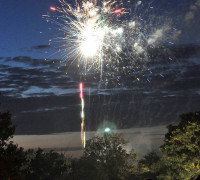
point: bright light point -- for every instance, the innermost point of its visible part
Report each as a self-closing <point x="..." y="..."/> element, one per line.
<point x="52" y="8"/>
<point x="139" y="2"/>
<point x="117" y="32"/>
<point x="118" y="49"/>
<point x="82" y="115"/>
<point x="136" y="44"/>
<point x="132" y="24"/>
<point x="82" y="103"/>
<point x="120" y="30"/>
<point x="106" y="127"/>
<point x="107" y="130"/>
<point x="93" y="13"/>
<point x="89" y="47"/>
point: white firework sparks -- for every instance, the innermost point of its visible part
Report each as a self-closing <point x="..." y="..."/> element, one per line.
<point x="105" y="38"/>
<point x="90" y="30"/>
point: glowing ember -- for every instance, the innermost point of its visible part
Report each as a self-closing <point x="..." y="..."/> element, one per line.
<point x="52" y="8"/>
<point x="118" y="11"/>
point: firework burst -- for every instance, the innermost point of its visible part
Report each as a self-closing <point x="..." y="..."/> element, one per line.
<point x="106" y="39"/>
<point x="91" y="28"/>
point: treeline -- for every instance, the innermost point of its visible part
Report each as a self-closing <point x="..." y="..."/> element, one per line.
<point x="106" y="158"/>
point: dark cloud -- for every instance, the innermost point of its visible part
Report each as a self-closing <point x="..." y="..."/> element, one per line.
<point x="40" y="47"/>
<point x="43" y="77"/>
<point x="175" y="51"/>
<point x="35" y="49"/>
<point x="43" y="99"/>
<point x="186" y="51"/>
<point x="51" y="114"/>
<point x="30" y="75"/>
<point x="28" y="61"/>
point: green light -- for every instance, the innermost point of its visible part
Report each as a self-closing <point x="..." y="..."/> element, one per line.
<point x="107" y="130"/>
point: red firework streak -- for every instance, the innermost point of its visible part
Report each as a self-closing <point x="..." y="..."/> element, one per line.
<point x="81" y="90"/>
<point x="82" y="115"/>
<point x="52" y="8"/>
<point x="118" y="11"/>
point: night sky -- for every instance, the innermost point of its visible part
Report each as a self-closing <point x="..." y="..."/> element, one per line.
<point x="43" y="99"/>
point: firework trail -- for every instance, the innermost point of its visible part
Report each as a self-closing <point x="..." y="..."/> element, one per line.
<point x="83" y="133"/>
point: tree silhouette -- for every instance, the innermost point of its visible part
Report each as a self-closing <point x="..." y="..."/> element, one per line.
<point x="12" y="158"/>
<point x="17" y="164"/>
<point x="7" y="129"/>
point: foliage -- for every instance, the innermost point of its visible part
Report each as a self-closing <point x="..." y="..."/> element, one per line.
<point x="150" y="165"/>
<point x="12" y="162"/>
<point x="182" y="148"/>
<point x="110" y="157"/>
<point x="46" y="165"/>
<point x="150" y="160"/>
<point x="85" y="170"/>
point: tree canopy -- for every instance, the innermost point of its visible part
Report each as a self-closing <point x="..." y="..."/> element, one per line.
<point x="110" y="156"/>
<point x="106" y="157"/>
<point x="181" y="148"/>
